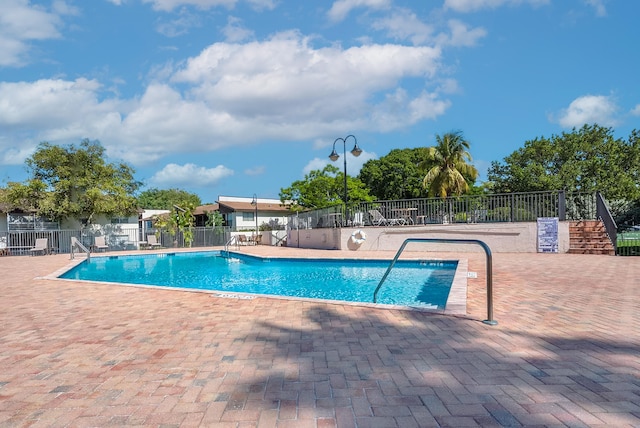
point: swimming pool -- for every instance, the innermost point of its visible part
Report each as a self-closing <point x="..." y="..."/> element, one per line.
<point x="412" y="283"/>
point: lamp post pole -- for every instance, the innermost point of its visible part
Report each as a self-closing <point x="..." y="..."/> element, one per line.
<point x="334" y="156"/>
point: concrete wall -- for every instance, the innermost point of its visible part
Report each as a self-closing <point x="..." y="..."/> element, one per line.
<point x="500" y="237"/>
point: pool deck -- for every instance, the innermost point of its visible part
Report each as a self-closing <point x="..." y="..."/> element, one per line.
<point x="566" y="352"/>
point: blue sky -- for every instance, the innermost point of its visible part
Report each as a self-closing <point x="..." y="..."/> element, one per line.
<point x="243" y="97"/>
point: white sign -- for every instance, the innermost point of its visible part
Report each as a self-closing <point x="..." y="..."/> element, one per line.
<point x="548" y="235"/>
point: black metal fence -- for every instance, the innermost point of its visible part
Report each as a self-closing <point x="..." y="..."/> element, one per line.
<point x="509" y="207"/>
<point x="59" y="241"/>
<point x="628" y="243"/>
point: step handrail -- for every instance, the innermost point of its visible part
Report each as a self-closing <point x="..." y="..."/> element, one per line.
<point x="229" y="241"/>
<point x="76" y="243"/>
<point x="485" y="247"/>
<point x="604" y="214"/>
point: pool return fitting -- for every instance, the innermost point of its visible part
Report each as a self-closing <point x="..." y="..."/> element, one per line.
<point x="485" y="247"/>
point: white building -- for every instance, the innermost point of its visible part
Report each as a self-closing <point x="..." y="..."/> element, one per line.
<point x="243" y="214"/>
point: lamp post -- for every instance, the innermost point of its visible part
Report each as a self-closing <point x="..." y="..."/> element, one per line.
<point x="254" y="202"/>
<point x="334" y="156"/>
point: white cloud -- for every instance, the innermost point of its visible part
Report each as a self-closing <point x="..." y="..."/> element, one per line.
<point x="190" y="175"/>
<point x="169" y="5"/>
<point x="234" y="31"/>
<point x="399" y="110"/>
<point x="466" y="6"/>
<point x="589" y="109"/>
<point x="179" y="25"/>
<point x="289" y="91"/>
<point x="461" y="35"/>
<point x="636" y="110"/>
<point x="22" y="23"/>
<point x="16" y="156"/>
<point x="599" y="7"/>
<point x="51" y="107"/>
<point x="260" y="5"/>
<point x="354" y="164"/>
<point x="341" y="8"/>
<point x="403" y="24"/>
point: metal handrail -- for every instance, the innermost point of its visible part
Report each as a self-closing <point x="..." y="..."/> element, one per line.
<point x="76" y="243"/>
<point x="226" y="245"/>
<point x="485" y="247"/>
<point x="604" y="214"/>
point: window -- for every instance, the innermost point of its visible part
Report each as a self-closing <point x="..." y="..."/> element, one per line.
<point x="248" y="216"/>
<point x="17" y="221"/>
<point x="119" y="220"/>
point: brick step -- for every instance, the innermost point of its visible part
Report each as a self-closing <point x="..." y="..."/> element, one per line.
<point x="599" y="227"/>
<point x="592" y="236"/>
<point x="603" y="252"/>
<point x="589" y="237"/>
<point x="587" y="229"/>
<point x="600" y="241"/>
<point x="591" y="247"/>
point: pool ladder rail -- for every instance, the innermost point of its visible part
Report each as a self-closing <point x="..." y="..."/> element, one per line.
<point x="76" y="244"/>
<point x="233" y="239"/>
<point x="485" y="247"/>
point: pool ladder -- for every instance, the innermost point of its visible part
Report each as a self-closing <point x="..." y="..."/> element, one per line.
<point x="485" y="247"/>
<point x="75" y="243"/>
<point x="234" y="238"/>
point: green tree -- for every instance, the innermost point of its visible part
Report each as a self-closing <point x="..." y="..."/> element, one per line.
<point x="29" y="197"/>
<point x="181" y="220"/>
<point x="396" y="175"/>
<point x="447" y="170"/>
<point x="165" y="199"/>
<point x="214" y="219"/>
<point x="323" y="188"/>
<point x="589" y="159"/>
<point x="75" y="182"/>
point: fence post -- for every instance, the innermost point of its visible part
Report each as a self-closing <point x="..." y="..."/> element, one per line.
<point x="512" y="208"/>
<point x="562" y="205"/>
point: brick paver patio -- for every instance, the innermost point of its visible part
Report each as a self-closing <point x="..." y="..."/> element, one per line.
<point x="566" y="352"/>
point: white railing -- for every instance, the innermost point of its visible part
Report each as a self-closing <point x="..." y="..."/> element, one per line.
<point x="75" y="244"/>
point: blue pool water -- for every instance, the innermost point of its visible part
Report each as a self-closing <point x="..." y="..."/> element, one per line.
<point x="411" y="283"/>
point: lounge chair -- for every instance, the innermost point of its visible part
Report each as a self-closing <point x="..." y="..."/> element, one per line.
<point x="377" y="219"/>
<point x="152" y="242"/>
<point x="242" y="240"/>
<point x="99" y="244"/>
<point x="42" y="246"/>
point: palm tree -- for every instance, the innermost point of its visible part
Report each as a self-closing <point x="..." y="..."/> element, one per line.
<point x="447" y="167"/>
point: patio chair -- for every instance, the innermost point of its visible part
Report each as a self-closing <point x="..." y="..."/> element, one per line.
<point x="4" y="249"/>
<point x="242" y="240"/>
<point x="42" y="246"/>
<point x="99" y="244"/>
<point x="377" y="219"/>
<point x="358" y="219"/>
<point x="152" y="242"/>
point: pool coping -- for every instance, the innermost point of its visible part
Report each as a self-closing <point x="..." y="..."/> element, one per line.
<point x="456" y="301"/>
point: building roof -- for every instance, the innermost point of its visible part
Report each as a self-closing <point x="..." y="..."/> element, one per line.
<point x="205" y="208"/>
<point x="246" y="206"/>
